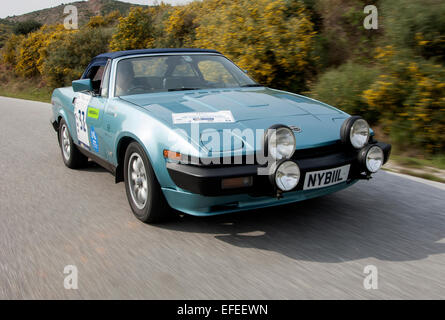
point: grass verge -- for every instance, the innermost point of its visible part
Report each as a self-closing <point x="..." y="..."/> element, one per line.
<point x="13" y="86"/>
<point x="27" y="90"/>
<point x="436" y="161"/>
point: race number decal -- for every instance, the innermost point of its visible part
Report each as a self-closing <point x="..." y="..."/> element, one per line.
<point x="80" y="112"/>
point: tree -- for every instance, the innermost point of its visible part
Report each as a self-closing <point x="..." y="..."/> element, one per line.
<point x="27" y="27"/>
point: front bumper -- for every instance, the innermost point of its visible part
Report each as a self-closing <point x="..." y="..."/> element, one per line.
<point x="207" y="180"/>
<point x="199" y="205"/>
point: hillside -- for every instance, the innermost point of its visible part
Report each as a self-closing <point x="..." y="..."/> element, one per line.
<point x="86" y="9"/>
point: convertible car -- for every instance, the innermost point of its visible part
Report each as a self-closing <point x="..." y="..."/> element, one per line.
<point x="187" y="129"/>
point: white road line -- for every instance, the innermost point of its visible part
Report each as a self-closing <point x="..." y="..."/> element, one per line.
<point x="435" y="184"/>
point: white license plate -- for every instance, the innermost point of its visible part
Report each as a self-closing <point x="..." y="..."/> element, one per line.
<point x="326" y="178"/>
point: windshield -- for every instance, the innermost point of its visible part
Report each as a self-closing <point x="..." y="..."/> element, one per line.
<point x="177" y="73"/>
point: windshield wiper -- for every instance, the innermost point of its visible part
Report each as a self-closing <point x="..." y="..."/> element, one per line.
<point x="183" y="89"/>
<point x="251" y="85"/>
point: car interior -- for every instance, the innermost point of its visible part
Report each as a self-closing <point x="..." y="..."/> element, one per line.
<point x="95" y="74"/>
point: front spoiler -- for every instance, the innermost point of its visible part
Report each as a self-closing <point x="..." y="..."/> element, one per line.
<point x="198" y="205"/>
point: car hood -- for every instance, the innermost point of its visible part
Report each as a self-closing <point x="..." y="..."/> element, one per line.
<point x="253" y="108"/>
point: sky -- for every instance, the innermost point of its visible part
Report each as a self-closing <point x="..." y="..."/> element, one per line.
<point x="19" y="7"/>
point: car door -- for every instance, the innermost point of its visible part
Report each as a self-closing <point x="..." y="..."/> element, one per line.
<point x="95" y="113"/>
<point x="89" y="113"/>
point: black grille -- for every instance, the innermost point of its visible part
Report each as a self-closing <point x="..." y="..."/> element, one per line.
<point x="335" y="148"/>
<point x="319" y="151"/>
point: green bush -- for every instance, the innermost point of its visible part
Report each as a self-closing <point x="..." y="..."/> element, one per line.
<point x="419" y="25"/>
<point x="343" y="87"/>
<point x="5" y="32"/>
<point x="9" y="50"/>
<point x="68" y="57"/>
<point x="340" y="33"/>
<point x="27" y="27"/>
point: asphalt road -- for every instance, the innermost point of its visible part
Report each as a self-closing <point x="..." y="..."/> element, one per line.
<point x="51" y="217"/>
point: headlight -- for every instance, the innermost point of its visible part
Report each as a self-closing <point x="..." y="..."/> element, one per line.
<point x="287" y="175"/>
<point x="371" y="158"/>
<point x="374" y="159"/>
<point x="359" y="134"/>
<point x="281" y="142"/>
<point x="355" y="131"/>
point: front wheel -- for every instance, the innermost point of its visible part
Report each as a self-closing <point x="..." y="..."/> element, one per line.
<point x="72" y="157"/>
<point x="143" y="190"/>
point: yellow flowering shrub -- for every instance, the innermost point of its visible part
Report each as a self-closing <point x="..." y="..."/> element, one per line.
<point x="9" y="50"/>
<point x="136" y="31"/>
<point x="181" y="25"/>
<point x="410" y="98"/>
<point x="104" y="21"/>
<point x="31" y="51"/>
<point x="270" y="38"/>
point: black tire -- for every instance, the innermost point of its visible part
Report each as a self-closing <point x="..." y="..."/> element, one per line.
<point x="155" y="209"/>
<point x="73" y="159"/>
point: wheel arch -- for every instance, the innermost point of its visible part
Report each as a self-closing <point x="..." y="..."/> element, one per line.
<point x="121" y="147"/>
<point x="59" y="119"/>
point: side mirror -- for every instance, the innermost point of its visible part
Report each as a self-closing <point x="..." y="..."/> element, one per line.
<point x="82" y="85"/>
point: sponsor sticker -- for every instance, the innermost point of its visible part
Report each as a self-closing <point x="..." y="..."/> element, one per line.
<point x="93" y="113"/>
<point x="203" y="117"/>
<point x="94" y="143"/>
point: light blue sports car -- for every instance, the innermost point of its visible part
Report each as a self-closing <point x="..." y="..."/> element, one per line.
<point x="189" y="130"/>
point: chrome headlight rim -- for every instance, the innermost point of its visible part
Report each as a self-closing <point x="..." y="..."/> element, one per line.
<point x="366" y="157"/>
<point x="285" y="168"/>
<point x="270" y="136"/>
<point x="347" y="130"/>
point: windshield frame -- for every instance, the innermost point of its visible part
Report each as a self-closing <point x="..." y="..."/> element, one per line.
<point x="115" y="62"/>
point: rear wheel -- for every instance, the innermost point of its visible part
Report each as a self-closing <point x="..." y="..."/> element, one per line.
<point x="71" y="156"/>
<point x="143" y="190"/>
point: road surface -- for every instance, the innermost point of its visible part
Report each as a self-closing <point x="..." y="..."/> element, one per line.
<point x="51" y="217"/>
